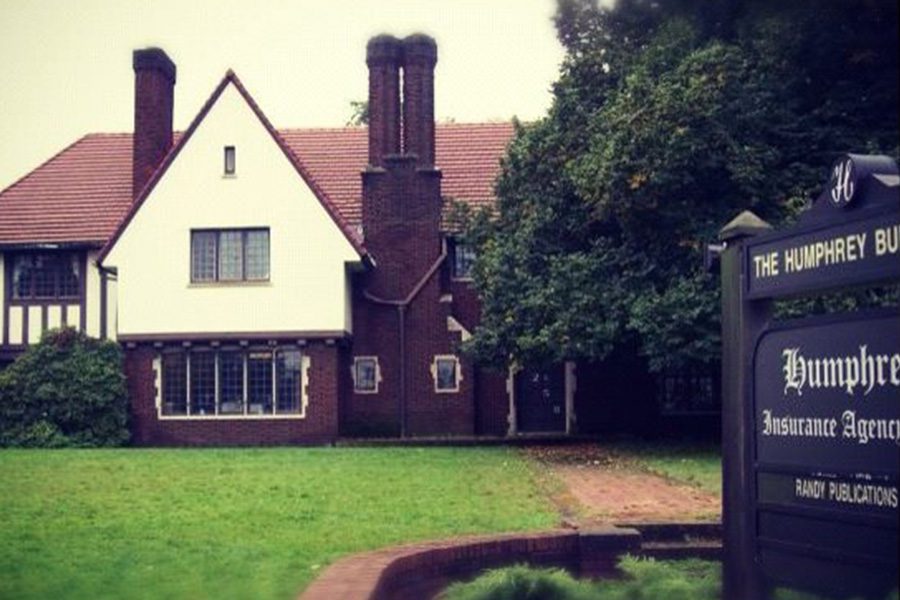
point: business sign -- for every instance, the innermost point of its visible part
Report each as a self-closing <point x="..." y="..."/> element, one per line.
<point x="817" y="444"/>
<point x="827" y="435"/>
<point x="837" y="256"/>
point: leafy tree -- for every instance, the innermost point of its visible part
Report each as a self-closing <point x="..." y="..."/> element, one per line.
<point x="68" y="390"/>
<point x="668" y="119"/>
<point x="359" y="113"/>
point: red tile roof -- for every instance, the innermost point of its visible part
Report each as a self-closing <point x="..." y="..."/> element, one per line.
<point x="82" y="194"/>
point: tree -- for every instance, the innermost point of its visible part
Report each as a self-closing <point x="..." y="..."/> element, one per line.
<point x="360" y="113"/>
<point x="668" y="119"/>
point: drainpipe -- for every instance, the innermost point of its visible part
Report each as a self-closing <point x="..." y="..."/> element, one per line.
<point x="401" y="325"/>
<point x="401" y="321"/>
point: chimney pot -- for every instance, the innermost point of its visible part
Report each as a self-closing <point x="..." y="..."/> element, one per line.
<point x="383" y="49"/>
<point x="419" y="48"/>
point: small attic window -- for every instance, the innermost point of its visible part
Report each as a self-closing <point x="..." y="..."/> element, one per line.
<point x="229" y="160"/>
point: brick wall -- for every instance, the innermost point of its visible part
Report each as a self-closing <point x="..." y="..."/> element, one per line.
<point x="422" y="570"/>
<point x="319" y="427"/>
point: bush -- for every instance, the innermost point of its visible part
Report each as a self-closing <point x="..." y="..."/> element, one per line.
<point x="521" y="583"/>
<point x="646" y="579"/>
<point x="68" y="390"/>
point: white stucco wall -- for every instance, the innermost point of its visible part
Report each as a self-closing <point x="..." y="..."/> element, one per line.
<point x="111" y="297"/>
<point x="307" y="290"/>
<point x="92" y="296"/>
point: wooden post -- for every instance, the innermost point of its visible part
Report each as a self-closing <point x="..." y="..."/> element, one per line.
<point x="742" y="321"/>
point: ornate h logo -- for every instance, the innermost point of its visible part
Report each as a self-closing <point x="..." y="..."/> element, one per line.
<point x="842" y="186"/>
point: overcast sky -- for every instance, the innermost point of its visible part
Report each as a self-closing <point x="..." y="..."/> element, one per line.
<point x="66" y="67"/>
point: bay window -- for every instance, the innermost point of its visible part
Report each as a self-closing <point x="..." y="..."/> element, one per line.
<point x="232" y="382"/>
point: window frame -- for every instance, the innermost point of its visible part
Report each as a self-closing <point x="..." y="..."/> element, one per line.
<point x="217" y="277"/>
<point x="185" y="354"/>
<point x="354" y="370"/>
<point x="59" y="258"/>
<point x="457" y="373"/>
<point x="456" y="245"/>
<point x="229" y="152"/>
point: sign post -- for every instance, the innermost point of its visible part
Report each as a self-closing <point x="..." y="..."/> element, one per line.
<point x="811" y="408"/>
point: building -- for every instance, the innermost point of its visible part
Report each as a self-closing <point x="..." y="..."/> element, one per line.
<point x="280" y="286"/>
<point x="274" y="286"/>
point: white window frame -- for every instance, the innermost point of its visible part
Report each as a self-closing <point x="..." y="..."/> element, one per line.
<point x="434" y="373"/>
<point x="354" y="373"/>
<point x="304" y="385"/>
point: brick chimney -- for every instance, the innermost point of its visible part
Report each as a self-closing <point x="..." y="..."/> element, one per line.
<point x="154" y="87"/>
<point x="383" y="56"/>
<point x="419" y="59"/>
<point x="401" y="207"/>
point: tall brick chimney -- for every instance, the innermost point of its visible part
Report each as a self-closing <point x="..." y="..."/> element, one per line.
<point x="383" y="57"/>
<point x="419" y="59"/>
<point x="401" y="206"/>
<point x="154" y="97"/>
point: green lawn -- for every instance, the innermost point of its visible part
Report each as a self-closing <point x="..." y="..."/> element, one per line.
<point x="257" y="523"/>
<point x="696" y="464"/>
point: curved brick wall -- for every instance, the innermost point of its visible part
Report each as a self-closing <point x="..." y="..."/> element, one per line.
<point x="421" y="570"/>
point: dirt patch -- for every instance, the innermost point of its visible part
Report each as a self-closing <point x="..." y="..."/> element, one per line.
<point x="592" y="485"/>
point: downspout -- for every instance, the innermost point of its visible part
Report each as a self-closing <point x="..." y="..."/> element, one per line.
<point x="401" y="325"/>
<point x="401" y="322"/>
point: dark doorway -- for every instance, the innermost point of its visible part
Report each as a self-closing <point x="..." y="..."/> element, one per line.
<point x="541" y="400"/>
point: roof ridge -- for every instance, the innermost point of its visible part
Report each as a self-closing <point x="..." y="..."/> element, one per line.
<point x="438" y="125"/>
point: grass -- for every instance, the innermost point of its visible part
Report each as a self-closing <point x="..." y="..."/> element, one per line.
<point x="694" y="464"/>
<point x="256" y="523"/>
<point x="645" y="579"/>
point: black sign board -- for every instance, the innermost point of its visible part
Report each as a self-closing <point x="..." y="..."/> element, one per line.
<point x="850" y="236"/>
<point x="827" y="435"/>
<point x="862" y="251"/>
<point x="811" y="408"/>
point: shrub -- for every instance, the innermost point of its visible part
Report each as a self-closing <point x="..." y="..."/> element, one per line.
<point x="68" y="390"/>
<point x="646" y="579"/>
<point x="521" y="583"/>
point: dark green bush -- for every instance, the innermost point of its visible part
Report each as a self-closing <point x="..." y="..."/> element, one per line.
<point x="521" y="583"/>
<point x="68" y="390"/>
<point x="646" y="579"/>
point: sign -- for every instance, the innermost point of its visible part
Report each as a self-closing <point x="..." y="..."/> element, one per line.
<point x="811" y="408"/>
<point x="827" y="396"/>
<point x="827" y="435"/>
<point x="838" y="256"/>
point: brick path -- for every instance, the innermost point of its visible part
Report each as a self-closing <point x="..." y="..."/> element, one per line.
<point x="601" y="487"/>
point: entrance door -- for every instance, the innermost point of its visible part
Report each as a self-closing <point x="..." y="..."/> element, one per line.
<point x="541" y="400"/>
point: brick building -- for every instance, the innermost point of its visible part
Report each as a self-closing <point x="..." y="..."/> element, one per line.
<point x="279" y="286"/>
<point x="274" y="286"/>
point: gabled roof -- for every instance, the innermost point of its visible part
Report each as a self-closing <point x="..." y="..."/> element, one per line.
<point x="82" y="195"/>
<point x="232" y="79"/>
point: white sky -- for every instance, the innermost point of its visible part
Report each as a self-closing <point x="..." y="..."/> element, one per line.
<point x="66" y="64"/>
